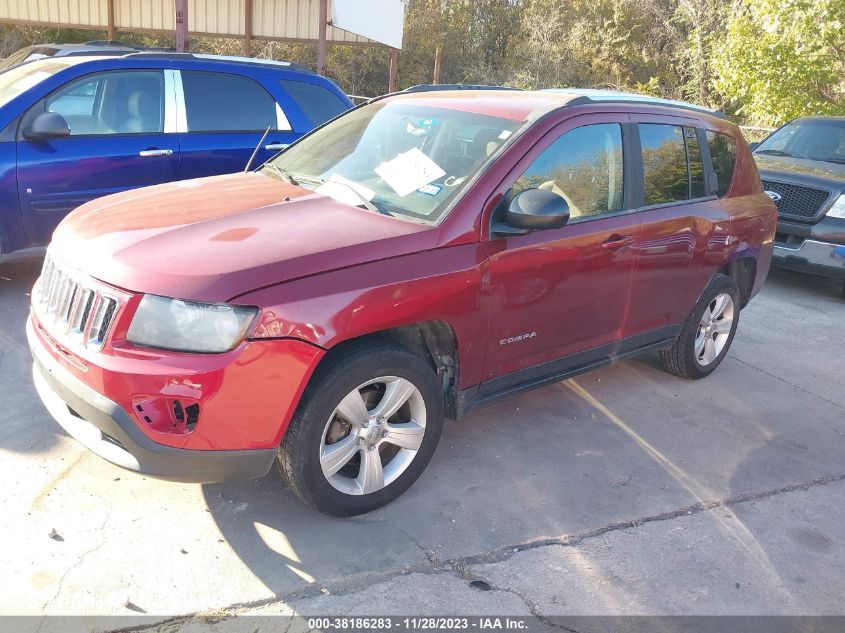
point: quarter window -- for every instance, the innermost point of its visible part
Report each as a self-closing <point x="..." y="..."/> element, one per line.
<point x="584" y="166"/>
<point x="218" y="102"/>
<point x="723" y="154"/>
<point x="112" y="103"/>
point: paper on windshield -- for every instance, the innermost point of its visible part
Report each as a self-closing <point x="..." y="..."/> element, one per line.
<point x="409" y="171"/>
<point x="343" y="190"/>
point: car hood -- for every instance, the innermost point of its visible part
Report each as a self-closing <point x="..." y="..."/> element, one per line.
<point x="800" y="170"/>
<point x="212" y="239"/>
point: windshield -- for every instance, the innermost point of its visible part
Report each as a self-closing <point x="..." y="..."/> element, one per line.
<point x="19" y="79"/>
<point x="814" y="140"/>
<point x="395" y="158"/>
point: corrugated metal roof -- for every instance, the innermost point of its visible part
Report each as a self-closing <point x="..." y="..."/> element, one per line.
<point x="272" y="19"/>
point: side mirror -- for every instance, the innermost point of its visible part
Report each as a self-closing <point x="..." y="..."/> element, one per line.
<point x="754" y="145"/>
<point x="47" y="125"/>
<point x="533" y="210"/>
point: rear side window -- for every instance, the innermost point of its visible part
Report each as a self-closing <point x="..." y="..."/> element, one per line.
<point x="673" y="168"/>
<point x="318" y="103"/>
<point x="665" y="174"/>
<point x="584" y="167"/>
<point x="218" y="102"/>
<point x="723" y="154"/>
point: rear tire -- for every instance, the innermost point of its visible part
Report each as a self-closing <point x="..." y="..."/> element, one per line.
<point x="708" y="331"/>
<point x="365" y="429"/>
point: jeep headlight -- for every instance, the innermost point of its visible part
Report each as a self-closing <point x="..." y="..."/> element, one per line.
<point x="838" y="208"/>
<point x="186" y="326"/>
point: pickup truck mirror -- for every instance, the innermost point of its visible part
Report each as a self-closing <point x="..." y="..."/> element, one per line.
<point x="47" y="125"/>
<point x="754" y="145"/>
<point x="533" y="210"/>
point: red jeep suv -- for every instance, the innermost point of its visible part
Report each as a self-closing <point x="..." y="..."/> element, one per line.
<point x="417" y="256"/>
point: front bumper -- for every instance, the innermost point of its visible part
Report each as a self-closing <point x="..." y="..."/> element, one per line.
<point x="811" y="256"/>
<point x="106" y="429"/>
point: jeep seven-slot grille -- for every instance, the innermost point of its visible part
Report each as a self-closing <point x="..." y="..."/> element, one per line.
<point x="64" y="301"/>
<point x="796" y="201"/>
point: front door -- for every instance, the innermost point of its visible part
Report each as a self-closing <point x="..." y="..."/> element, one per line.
<point x="117" y="142"/>
<point x="227" y="116"/>
<point x="559" y="296"/>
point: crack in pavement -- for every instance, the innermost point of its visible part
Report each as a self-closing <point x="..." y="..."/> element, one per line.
<point x="74" y="566"/>
<point x="460" y="564"/>
<point x="784" y="380"/>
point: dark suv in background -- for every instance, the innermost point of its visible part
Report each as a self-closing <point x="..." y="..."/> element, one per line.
<point x="802" y="165"/>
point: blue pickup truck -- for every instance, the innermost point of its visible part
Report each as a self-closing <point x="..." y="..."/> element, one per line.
<point x="76" y="128"/>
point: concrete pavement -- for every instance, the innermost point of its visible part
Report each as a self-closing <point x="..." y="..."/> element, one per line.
<point x="623" y="491"/>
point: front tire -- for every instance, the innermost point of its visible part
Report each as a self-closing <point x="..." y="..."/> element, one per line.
<point x="365" y="429"/>
<point x="707" y="332"/>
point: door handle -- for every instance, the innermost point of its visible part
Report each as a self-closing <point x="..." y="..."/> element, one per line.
<point x="276" y="146"/>
<point x="616" y="241"/>
<point x="155" y="152"/>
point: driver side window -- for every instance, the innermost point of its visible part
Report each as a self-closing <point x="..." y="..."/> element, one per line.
<point x="584" y="167"/>
<point x="112" y="103"/>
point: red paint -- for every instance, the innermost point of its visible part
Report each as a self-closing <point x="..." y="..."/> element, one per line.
<point x="322" y="273"/>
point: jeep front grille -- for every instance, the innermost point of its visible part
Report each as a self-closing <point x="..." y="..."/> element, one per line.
<point x="796" y="201"/>
<point x="70" y="306"/>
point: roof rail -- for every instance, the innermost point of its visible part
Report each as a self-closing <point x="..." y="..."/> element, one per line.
<point x="434" y="87"/>
<point x="589" y="95"/>
<point x="224" y="58"/>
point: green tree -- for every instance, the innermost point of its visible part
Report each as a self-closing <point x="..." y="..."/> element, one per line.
<point x="783" y="58"/>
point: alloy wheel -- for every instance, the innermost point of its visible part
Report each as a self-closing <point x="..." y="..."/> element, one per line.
<point x="714" y="329"/>
<point x="373" y="435"/>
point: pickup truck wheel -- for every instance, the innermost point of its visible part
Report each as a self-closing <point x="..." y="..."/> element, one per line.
<point x="365" y="429"/>
<point x="707" y="332"/>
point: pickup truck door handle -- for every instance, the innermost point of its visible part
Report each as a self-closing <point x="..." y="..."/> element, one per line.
<point x="154" y="151"/>
<point x="276" y="146"/>
<point x="616" y="241"/>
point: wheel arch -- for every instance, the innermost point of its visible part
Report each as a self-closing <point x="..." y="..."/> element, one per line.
<point x="435" y="341"/>
<point x="743" y="271"/>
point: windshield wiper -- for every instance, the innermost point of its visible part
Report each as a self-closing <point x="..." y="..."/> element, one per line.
<point x="838" y="161"/>
<point x="369" y="206"/>
<point x="774" y="152"/>
<point x="283" y="174"/>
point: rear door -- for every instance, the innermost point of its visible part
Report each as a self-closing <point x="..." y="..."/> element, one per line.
<point x="225" y="117"/>
<point x="118" y="141"/>
<point x="685" y="230"/>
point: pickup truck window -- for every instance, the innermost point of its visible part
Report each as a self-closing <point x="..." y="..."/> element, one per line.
<point x="399" y="159"/>
<point x="820" y="139"/>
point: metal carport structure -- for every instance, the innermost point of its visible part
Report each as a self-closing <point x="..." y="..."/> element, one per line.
<point x="305" y="21"/>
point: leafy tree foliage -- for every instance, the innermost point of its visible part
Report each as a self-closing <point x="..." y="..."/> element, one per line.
<point x="784" y="58"/>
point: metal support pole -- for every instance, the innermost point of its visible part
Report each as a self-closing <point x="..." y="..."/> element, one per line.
<point x="394" y="62"/>
<point x="438" y="53"/>
<point x="110" y="7"/>
<point x="248" y="28"/>
<point x="181" y="26"/>
<point x="321" y="37"/>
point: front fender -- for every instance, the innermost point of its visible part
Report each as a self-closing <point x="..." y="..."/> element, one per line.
<point x="438" y="285"/>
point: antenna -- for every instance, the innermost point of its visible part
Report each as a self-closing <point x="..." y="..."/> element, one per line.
<point x="255" y="151"/>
